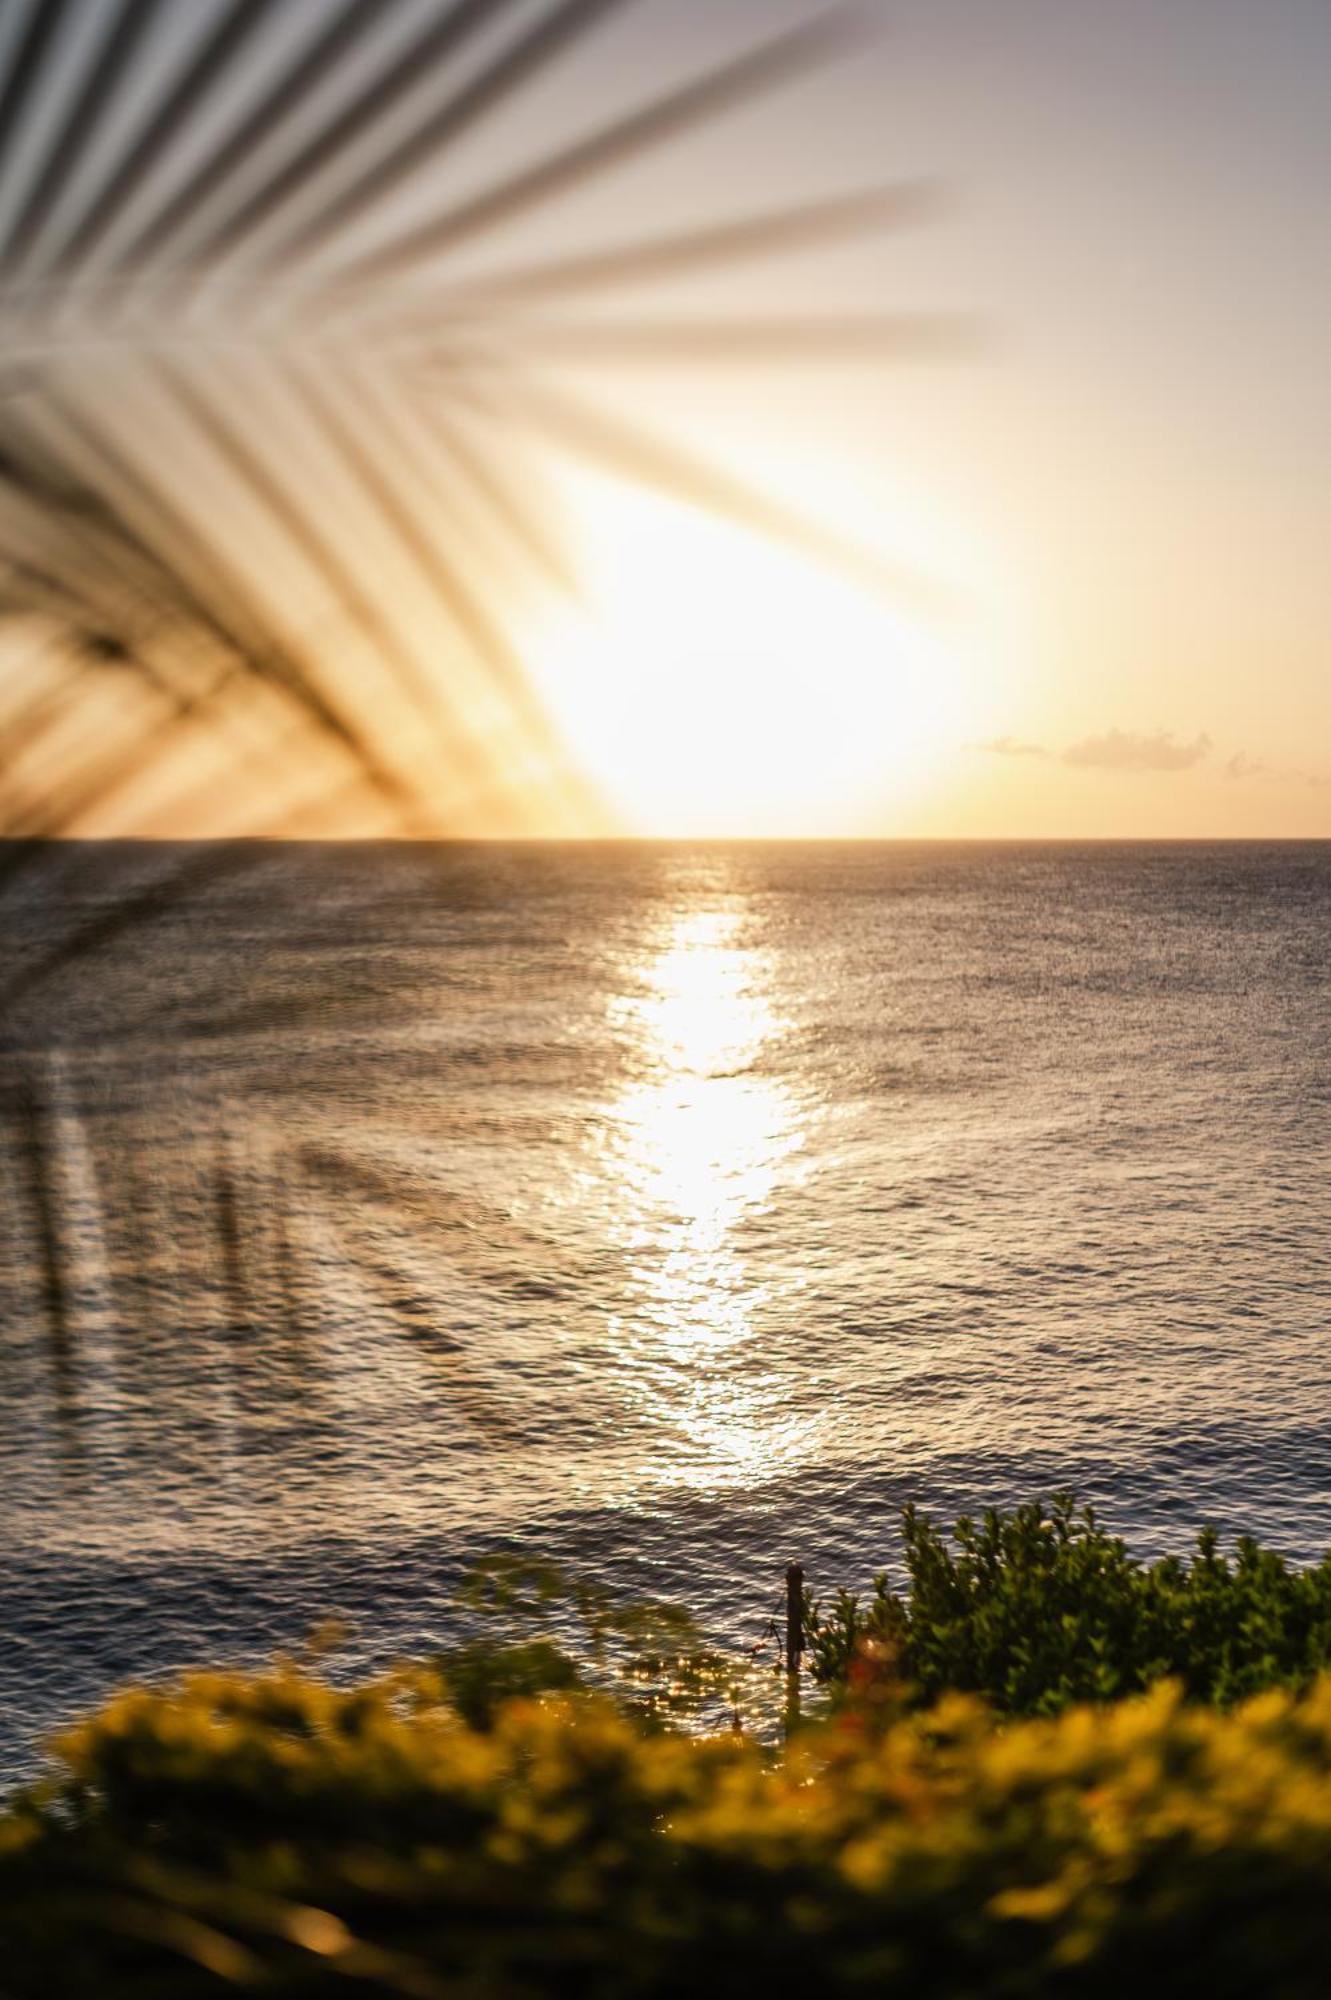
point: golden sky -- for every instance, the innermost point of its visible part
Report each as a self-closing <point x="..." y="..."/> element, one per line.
<point x="1086" y="589"/>
<point x="1125" y="490"/>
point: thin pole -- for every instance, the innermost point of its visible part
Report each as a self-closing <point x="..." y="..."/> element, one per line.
<point x="794" y="1617"/>
<point x="794" y="1644"/>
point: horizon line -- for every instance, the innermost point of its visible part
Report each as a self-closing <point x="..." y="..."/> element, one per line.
<point x="670" y="840"/>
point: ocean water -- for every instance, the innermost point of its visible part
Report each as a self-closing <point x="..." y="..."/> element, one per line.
<point x="675" y="1211"/>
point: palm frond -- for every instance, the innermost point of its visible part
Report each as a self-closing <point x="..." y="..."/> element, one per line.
<point x="367" y="112"/>
<point x="342" y="35"/>
<point x="613" y="145"/>
<point x="272" y="440"/>
<point x="205" y="74"/>
<point x="35" y="47"/>
<point x="695" y="342"/>
<point x="639" y="455"/>
<point x="683" y="253"/>
<point x="125" y="33"/>
<point x="429" y="141"/>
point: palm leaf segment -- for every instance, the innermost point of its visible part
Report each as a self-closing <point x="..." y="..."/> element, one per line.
<point x="276" y="405"/>
<point x="272" y="447"/>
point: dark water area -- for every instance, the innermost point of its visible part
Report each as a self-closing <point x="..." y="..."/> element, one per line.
<point x="671" y="1210"/>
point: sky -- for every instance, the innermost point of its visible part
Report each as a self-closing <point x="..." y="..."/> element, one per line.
<point x="1122" y="491"/>
<point x="1069" y="571"/>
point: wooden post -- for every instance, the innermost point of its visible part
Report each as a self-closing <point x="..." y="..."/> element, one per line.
<point x="794" y="1617"/>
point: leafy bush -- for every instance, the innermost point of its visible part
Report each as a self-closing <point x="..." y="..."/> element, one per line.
<point x="1039" y="1607"/>
<point x="272" y="1832"/>
<point x="517" y="1817"/>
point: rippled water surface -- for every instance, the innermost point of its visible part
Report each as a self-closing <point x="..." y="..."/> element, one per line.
<point x="675" y="1210"/>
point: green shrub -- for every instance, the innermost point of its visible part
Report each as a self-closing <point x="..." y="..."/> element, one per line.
<point x="271" y="1833"/>
<point x="1039" y="1607"/>
<point x="518" y="1817"/>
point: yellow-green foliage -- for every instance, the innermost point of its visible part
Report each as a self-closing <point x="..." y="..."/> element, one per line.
<point x="269" y="1830"/>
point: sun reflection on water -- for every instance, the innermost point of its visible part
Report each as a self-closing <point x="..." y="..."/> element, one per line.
<point x="702" y="1137"/>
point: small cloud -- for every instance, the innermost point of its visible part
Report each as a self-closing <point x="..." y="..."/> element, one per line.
<point x="1008" y="746"/>
<point x="1241" y="765"/>
<point x="1126" y="750"/>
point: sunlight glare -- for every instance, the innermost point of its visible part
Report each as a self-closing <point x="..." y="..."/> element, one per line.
<point x="700" y="1138"/>
<point x="714" y="684"/>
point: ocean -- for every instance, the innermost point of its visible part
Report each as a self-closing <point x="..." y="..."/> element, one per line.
<point x="674" y="1211"/>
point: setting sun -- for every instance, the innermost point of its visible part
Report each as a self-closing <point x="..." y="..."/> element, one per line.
<point x="713" y="683"/>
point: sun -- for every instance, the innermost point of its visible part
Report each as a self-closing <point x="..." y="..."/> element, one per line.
<point x="713" y="684"/>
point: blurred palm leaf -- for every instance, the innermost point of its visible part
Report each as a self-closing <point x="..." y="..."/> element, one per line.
<point x="197" y="332"/>
<point x="272" y="448"/>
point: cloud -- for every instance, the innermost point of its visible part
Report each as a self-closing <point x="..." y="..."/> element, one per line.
<point x="1008" y="746"/>
<point x="1130" y="750"/>
<point x="1241" y="765"/>
<point x="1127" y="750"/>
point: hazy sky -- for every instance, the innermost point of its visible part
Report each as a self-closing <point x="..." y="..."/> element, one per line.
<point x="1129" y="487"/>
<point x="1114" y="501"/>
